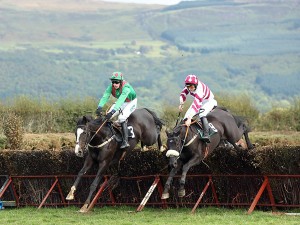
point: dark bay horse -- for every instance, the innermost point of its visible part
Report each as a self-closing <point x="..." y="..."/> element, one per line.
<point x="187" y="149"/>
<point x="103" y="139"/>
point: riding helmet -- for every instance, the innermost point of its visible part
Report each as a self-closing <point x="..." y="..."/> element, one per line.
<point x="191" y="80"/>
<point x="117" y="76"/>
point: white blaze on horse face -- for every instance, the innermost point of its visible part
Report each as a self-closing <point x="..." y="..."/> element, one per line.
<point x="77" y="146"/>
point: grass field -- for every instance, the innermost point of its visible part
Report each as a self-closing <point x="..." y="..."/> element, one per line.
<point x="128" y="216"/>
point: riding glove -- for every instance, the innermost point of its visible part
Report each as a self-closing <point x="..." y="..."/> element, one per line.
<point x="99" y="111"/>
<point x="109" y="115"/>
<point x="180" y="107"/>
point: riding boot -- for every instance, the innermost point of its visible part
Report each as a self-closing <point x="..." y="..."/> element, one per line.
<point x="125" y="143"/>
<point x="205" y="129"/>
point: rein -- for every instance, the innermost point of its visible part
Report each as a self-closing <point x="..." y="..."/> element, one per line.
<point x="97" y="130"/>
<point x="191" y="141"/>
<point x="184" y="140"/>
<point x="104" y="143"/>
<point x="186" y="132"/>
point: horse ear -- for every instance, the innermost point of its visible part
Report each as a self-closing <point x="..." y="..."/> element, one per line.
<point x="89" y="118"/>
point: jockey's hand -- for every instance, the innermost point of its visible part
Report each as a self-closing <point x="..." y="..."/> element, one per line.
<point x="110" y="114"/>
<point x="180" y="107"/>
<point x="188" y="122"/>
<point x="99" y="111"/>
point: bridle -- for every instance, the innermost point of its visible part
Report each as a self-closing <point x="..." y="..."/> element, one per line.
<point x="182" y="141"/>
<point x="105" y="142"/>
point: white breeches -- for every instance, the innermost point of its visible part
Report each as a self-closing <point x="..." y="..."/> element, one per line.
<point x="125" y="110"/>
<point x="207" y="106"/>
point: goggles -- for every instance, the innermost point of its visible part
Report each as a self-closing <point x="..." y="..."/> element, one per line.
<point x="188" y="85"/>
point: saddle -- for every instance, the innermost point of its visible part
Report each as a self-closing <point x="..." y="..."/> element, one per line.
<point x="211" y="131"/>
<point x="119" y="134"/>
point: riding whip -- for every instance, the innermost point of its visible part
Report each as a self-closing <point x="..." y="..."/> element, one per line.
<point x="178" y="118"/>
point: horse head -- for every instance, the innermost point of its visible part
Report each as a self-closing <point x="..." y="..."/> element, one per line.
<point x="80" y="134"/>
<point x="174" y="146"/>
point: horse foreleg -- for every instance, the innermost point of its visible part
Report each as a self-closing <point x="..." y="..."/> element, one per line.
<point x="192" y="162"/>
<point x="167" y="186"/>
<point x="86" y="166"/>
<point x="102" y="167"/>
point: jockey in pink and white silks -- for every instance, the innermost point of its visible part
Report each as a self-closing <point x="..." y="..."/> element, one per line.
<point x="203" y="99"/>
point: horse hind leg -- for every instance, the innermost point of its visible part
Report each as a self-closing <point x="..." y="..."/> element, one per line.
<point x="144" y="147"/>
<point x="160" y="146"/>
<point x="241" y="144"/>
<point x="249" y="144"/>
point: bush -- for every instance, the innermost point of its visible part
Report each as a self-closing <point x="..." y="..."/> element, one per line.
<point x="287" y="119"/>
<point x="42" y="116"/>
<point x="13" y="130"/>
<point x="240" y="105"/>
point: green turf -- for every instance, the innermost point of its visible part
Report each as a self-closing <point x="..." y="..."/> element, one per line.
<point x="128" y="216"/>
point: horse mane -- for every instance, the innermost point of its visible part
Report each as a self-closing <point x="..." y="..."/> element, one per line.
<point x="95" y="123"/>
<point x="157" y="121"/>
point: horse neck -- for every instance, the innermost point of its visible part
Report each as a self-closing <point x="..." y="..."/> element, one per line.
<point x="188" y="131"/>
<point x="98" y="134"/>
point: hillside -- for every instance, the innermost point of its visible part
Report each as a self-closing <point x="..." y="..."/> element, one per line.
<point x="56" y="49"/>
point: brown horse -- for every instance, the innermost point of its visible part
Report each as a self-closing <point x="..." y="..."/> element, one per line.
<point x="103" y="139"/>
<point x="187" y="149"/>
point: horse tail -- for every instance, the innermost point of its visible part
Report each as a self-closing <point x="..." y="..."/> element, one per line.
<point x="157" y="121"/>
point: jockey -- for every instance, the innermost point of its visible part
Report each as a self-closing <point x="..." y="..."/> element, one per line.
<point x="203" y="99"/>
<point x="125" y="104"/>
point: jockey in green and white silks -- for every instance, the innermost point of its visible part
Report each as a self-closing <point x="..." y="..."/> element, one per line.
<point x="125" y="104"/>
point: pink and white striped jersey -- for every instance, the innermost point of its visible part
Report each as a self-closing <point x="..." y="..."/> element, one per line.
<point x="202" y="93"/>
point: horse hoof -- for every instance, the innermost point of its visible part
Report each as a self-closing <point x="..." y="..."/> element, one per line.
<point x="84" y="208"/>
<point x="181" y="193"/>
<point x="71" y="193"/>
<point x="145" y="149"/>
<point x="70" y="197"/>
<point x="165" y="196"/>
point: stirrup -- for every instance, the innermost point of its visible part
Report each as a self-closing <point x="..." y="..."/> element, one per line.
<point x="206" y="139"/>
